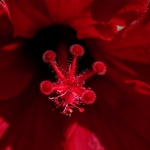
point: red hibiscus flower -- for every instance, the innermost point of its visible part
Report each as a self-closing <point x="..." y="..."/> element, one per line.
<point x="112" y="31"/>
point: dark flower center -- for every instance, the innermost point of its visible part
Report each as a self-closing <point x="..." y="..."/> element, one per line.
<point x="57" y="38"/>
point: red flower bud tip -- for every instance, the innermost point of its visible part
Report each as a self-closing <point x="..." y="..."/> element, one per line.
<point x="46" y="87"/>
<point x="76" y="50"/>
<point x="88" y="97"/>
<point x="99" y="67"/>
<point x="49" y="56"/>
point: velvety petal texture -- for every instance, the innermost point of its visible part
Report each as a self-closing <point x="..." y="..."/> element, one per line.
<point x="79" y="138"/>
<point x="15" y="72"/>
<point x="34" y="15"/>
<point x="115" y="15"/>
<point x="6" y="28"/>
<point x="122" y="112"/>
<point x="101" y="17"/>
<point x="122" y="12"/>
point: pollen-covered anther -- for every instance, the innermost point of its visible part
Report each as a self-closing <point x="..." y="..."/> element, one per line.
<point x="46" y="87"/>
<point x="77" y="50"/>
<point x="99" y="68"/>
<point x="49" y="56"/>
<point x="88" y="97"/>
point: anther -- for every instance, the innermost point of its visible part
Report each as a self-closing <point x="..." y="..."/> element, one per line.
<point x="70" y="111"/>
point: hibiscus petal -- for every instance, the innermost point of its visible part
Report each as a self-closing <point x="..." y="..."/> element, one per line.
<point x="121" y="115"/>
<point x="119" y="118"/>
<point x="79" y="138"/>
<point x="29" y="16"/>
<point x="101" y="18"/>
<point x="3" y="127"/>
<point x="123" y="11"/>
<point x="6" y="28"/>
<point x="26" y="19"/>
<point x="139" y="86"/>
<point x="14" y="73"/>
<point x="113" y="13"/>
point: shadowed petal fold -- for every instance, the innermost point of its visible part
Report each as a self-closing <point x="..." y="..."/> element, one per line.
<point x="15" y="72"/>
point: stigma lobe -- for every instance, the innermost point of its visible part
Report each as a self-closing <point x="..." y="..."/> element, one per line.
<point x="49" y="56"/>
<point x="76" y="50"/>
<point x="46" y="87"/>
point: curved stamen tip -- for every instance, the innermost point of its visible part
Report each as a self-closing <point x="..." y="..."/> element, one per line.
<point x="77" y="50"/>
<point x="88" y="97"/>
<point x="49" y="56"/>
<point x="46" y="87"/>
<point x="99" y="67"/>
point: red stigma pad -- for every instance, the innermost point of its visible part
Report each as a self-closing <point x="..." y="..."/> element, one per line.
<point x="46" y="87"/>
<point x="99" y="68"/>
<point x="76" y="50"/>
<point x="49" y="56"/>
<point x="88" y="97"/>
